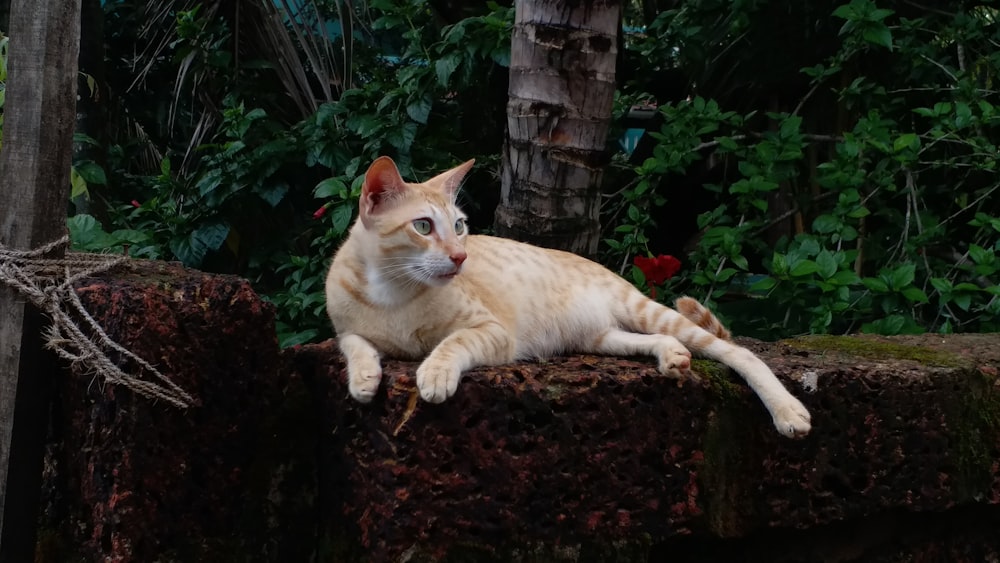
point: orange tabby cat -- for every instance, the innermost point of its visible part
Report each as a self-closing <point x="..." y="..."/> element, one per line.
<point x="410" y="282"/>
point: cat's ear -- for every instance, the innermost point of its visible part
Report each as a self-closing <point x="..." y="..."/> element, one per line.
<point x="452" y="179"/>
<point x="382" y="184"/>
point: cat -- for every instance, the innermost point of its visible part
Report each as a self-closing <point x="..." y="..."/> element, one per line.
<point x="410" y="282"/>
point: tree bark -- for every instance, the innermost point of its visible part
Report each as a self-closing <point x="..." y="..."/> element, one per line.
<point x="34" y="188"/>
<point x="562" y="84"/>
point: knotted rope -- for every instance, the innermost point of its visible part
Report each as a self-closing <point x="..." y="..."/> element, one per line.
<point x="48" y="284"/>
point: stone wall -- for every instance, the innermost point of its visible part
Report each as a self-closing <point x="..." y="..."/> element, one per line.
<point x="575" y="459"/>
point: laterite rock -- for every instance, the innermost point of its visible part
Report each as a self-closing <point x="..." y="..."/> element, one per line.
<point x="580" y="458"/>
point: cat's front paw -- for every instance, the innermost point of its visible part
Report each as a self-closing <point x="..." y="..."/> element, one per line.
<point x="792" y="419"/>
<point x="437" y="381"/>
<point x="363" y="384"/>
<point x="674" y="359"/>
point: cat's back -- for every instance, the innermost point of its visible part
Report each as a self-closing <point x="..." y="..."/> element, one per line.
<point x="508" y="261"/>
<point x="556" y="300"/>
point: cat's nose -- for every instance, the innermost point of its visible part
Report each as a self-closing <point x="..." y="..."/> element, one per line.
<point x="458" y="257"/>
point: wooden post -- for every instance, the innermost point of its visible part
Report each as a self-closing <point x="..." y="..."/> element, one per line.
<point x="34" y="191"/>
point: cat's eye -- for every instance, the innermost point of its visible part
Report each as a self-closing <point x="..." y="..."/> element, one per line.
<point x="459" y="226"/>
<point x="422" y="226"/>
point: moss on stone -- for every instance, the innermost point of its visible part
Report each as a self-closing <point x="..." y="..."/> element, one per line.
<point x="872" y="348"/>
<point x="976" y="412"/>
<point x="720" y="379"/>
<point x="729" y="446"/>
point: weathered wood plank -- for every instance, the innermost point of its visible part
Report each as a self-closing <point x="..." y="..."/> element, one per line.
<point x="34" y="189"/>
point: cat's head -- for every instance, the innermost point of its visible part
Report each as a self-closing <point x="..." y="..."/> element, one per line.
<point x="416" y="230"/>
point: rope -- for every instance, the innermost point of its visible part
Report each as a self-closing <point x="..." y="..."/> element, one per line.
<point x="48" y="283"/>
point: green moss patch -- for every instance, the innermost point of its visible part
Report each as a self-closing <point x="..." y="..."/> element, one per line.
<point x="874" y="348"/>
<point x="721" y="380"/>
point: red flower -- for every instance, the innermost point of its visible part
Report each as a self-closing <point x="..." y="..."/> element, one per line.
<point x="658" y="270"/>
<point x="135" y="203"/>
<point x="319" y="212"/>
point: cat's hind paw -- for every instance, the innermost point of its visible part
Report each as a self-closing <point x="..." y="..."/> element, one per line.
<point x="792" y="419"/>
<point x="364" y="384"/>
<point x="437" y="382"/>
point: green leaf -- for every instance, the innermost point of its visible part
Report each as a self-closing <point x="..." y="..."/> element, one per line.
<point x="906" y="141"/>
<point x="727" y="143"/>
<point x="209" y="182"/>
<point x="915" y="294"/>
<point x="638" y="278"/>
<point x="878" y="35"/>
<point x="845" y="278"/>
<point x="191" y="250"/>
<point x="943" y="285"/>
<point x="779" y="265"/>
<point x="420" y="109"/>
<point x="880" y="14"/>
<point x="963" y="300"/>
<point x="845" y="12"/>
<point x="902" y="276"/>
<point x="87" y="234"/>
<point x="740" y="262"/>
<point x="286" y="340"/>
<point x="402" y="138"/>
<point x="364" y="125"/>
<point x="980" y="255"/>
<point x="890" y="325"/>
<point x="85" y="140"/>
<point x="804" y="268"/>
<point x="859" y="212"/>
<point x="329" y="188"/>
<point x="444" y="68"/>
<point x="212" y="235"/>
<point x="341" y="217"/>
<point x="189" y="256"/>
<point x="725" y="274"/>
<point x="78" y="186"/>
<point x="826" y="264"/>
<point x="876" y="284"/>
<point x="273" y="193"/>
<point x="808" y="246"/>
<point x="763" y="284"/>
<point x="826" y="224"/>
<point x="963" y="114"/>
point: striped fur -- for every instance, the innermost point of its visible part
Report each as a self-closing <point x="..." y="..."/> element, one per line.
<point x="699" y="315"/>
<point x="409" y="282"/>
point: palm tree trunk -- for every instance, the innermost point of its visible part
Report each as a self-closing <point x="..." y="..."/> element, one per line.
<point x="562" y="84"/>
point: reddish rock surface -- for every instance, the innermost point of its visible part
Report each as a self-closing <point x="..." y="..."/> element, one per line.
<point x="575" y="459"/>
<point x="133" y="480"/>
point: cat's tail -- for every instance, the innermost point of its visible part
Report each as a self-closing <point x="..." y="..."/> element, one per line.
<point x="699" y="315"/>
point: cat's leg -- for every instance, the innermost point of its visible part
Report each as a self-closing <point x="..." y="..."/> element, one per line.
<point x="790" y="416"/>
<point x="672" y="357"/>
<point x="364" y="369"/>
<point x="641" y="314"/>
<point x="486" y="344"/>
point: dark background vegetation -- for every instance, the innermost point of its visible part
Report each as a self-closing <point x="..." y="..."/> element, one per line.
<point x="817" y="166"/>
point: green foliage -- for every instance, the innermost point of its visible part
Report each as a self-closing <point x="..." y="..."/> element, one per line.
<point x="214" y="171"/>
<point x="848" y="149"/>
<point x="897" y="230"/>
